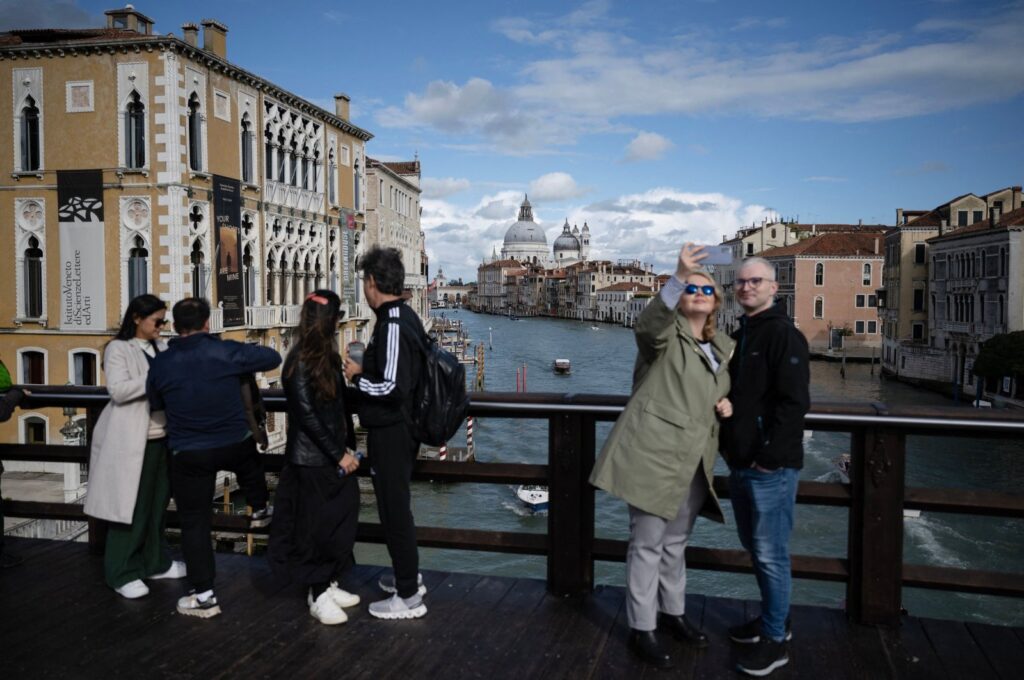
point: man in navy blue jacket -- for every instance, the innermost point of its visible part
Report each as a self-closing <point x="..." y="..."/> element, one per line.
<point x="197" y="383"/>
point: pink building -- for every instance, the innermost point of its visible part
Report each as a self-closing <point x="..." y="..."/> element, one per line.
<point x="827" y="285"/>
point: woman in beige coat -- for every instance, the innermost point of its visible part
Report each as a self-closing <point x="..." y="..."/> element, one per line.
<point x="660" y="455"/>
<point x="129" y="484"/>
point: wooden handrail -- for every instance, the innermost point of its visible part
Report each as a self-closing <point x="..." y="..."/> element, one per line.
<point x="873" y="568"/>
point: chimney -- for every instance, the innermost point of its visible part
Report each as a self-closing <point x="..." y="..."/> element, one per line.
<point x="876" y="245"/>
<point x="942" y="227"/>
<point x="860" y="223"/>
<point x="899" y="216"/>
<point x="341" y="105"/>
<point x="993" y="216"/>
<point x="191" y="32"/>
<point x="215" y="37"/>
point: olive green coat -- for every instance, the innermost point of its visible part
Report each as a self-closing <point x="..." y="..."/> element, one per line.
<point x="669" y="430"/>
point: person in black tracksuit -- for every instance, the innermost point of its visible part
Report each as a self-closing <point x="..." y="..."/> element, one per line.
<point x="383" y="389"/>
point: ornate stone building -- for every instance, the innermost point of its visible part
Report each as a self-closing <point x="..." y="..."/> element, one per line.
<point x="144" y="162"/>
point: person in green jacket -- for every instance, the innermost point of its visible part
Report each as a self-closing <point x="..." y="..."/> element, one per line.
<point x="660" y="455"/>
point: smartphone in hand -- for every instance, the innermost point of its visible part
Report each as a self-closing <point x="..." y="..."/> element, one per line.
<point x="717" y="254"/>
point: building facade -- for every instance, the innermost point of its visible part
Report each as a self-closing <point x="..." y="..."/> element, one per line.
<point x="393" y="221"/>
<point x="148" y="163"/>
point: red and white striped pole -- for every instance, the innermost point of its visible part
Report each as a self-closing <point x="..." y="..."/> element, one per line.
<point x="442" y="453"/>
<point x="469" y="436"/>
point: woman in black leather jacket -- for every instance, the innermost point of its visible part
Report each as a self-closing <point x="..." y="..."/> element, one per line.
<point x="317" y="503"/>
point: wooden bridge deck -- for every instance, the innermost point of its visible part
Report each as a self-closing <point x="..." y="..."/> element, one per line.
<point x="58" y="620"/>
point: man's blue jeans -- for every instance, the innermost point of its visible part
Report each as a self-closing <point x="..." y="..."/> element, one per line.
<point x="762" y="503"/>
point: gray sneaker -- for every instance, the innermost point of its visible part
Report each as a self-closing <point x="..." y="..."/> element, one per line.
<point x="396" y="607"/>
<point x="387" y="584"/>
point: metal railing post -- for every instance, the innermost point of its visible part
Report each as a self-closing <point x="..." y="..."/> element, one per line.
<point x="877" y="465"/>
<point x="571" y="505"/>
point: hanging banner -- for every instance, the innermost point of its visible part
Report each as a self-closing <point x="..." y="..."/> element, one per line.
<point x="83" y="304"/>
<point x="227" y="220"/>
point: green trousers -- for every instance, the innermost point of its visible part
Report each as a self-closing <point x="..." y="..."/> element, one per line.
<point x="137" y="550"/>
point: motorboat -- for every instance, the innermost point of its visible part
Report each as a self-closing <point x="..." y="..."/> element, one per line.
<point x="561" y="366"/>
<point x="533" y="496"/>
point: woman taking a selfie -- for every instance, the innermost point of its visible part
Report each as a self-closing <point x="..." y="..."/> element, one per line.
<point x="317" y="503"/>
<point x="660" y="456"/>
<point x="129" y="484"/>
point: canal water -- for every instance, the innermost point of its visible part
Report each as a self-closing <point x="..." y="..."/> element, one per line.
<point x="602" y="361"/>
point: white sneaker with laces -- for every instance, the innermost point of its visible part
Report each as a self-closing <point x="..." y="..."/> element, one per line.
<point x="191" y="605"/>
<point x="325" y="610"/>
<point x="342" y="598"/>
<point x="387" y="584"/>
<point x="133" y="590"/>
<point x="176" y="570"/>
<point x="396" y="607"/>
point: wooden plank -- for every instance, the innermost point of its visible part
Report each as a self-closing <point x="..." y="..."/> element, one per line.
<point x="875" y="533"/>
<point x="719" y="615"/>
<point x="578" y="645"/>
<point x="960" y="655"/>
<point x="571" y="510"/>
<point x="963" y="580"/>
<point x="813" y="649"/>
<point x="1001" y="647"/>
<point x="616" y="659"/>
<point x="965" y="502"/>
<point x="911" y="652"/>
<point x="860" y="647"/>
<point x="490" y="645"/>
<point x="44" y="453"/>
<point x="525" y="543"/>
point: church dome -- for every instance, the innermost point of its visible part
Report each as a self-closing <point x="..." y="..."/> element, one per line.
<point x="525" y="230"/>
<point x="565" y="240"/>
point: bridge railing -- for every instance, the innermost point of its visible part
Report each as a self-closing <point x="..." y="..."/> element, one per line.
<point x="873" y="567"/>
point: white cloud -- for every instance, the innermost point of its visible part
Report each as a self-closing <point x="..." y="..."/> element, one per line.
<point x="593" y="76"/>
<point x="748" y="23"/>
<point x="555" y="186"/>
<point x="439" y="187"/>
<point x="649" y="226"/>
<point x="824" y="178"/>
<point x="647" y="146"/>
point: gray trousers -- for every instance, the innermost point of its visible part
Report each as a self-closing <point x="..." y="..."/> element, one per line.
<point x="656" y="562"/>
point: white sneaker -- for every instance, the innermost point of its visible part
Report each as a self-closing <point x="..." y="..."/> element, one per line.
<point x="396" y="607"/>
<point x="191" y="605"/>
<point x="342" y="598"/>
<point x="387" y="584"/>
<point x="325" y="609"/>
<point x="176" y="570"/>
<point x="133" y="590"/>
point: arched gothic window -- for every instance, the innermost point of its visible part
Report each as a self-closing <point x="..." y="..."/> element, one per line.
<point x="819" y="307"/>
<point x="281" y="158"/>
<point x="33" y="279"/>
<point x="332" y="178"/>
<point x="198" y="284"/>
<point x="195" y="133"/>
<point x="135" y="132"/>
<point x="247" y="149"/>
<point x="138" y="280"/>
<point x="819" y="274"/>
<point x="305" y="168"/>
<point x="356" y="183"/>
<point x="268" y="155"/>
<point x="866" y="276"/>
<point x="294" y="179"/>
<point x="248" y="275"/>
<point x="270" y="280"/>
<point x="30" y="135"/>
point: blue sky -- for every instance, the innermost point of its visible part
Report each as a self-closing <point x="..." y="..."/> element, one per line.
<point x="655" y="122"/>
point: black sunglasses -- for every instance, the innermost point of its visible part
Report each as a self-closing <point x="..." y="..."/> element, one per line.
<point x="692" y="288"/>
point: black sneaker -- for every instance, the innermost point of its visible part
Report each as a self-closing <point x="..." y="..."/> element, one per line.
<point x="261" y="518"/>
<point x="763" y="658"/>
<point x="750" y="632"/>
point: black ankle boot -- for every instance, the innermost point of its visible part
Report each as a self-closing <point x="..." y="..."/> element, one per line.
<point x="645" y="644"/>
<point x="683" y="630"/>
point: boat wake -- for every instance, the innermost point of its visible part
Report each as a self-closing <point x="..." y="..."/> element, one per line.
<point x="521" y="510"/>
<point x="925" y="534"/>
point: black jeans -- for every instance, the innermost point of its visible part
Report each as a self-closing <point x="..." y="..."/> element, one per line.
<point x="193" y="476"/>
<point x="392" y="454"/>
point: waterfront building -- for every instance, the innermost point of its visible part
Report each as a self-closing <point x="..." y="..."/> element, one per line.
<point x="444" y="293"/>
<point x="927" y="338"/>
<point x="828" y="285"/>
<point x="613" y="301"/>
<point x="145" y="162"/>
<point x="491" y="282"/>
<point x="393" y="221"/>
<point x="587" y="278"/>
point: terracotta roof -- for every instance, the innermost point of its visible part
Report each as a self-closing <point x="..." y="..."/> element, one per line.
<point x="624" y="285"/>
<point x="49" y="36"/>
<point x="404" y="167"/>
<point x="827" y="228"/>
<point x="932" y="218"/>
<point x="1014" y="218"/>
<point x="836" y="244"/>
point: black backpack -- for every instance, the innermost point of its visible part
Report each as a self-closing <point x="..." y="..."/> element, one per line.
<point x="440" y="402"/>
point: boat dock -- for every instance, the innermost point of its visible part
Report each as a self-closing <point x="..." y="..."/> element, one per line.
<point x="476" y="627"/>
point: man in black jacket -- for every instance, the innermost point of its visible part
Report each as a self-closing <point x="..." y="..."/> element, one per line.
<point x="763" y="444"/>
<point x="384" y="386"/>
